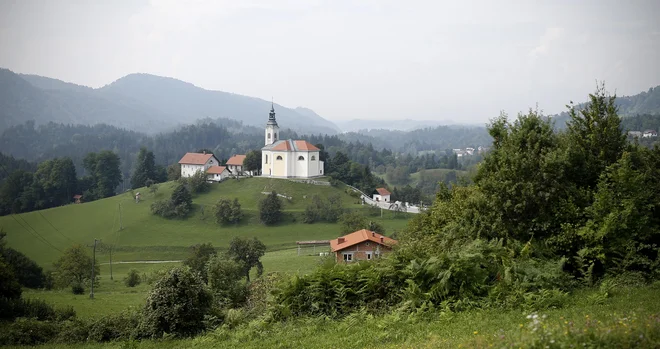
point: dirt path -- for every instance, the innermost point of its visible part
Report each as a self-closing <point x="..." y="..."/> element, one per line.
<point x="141" y="262"/>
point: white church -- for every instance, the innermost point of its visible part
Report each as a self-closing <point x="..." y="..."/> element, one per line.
<point x="288" y="158"/>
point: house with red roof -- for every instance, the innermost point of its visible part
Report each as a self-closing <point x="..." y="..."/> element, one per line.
<point x="192" y="163"/>
<point x="235" y="165"/>
<point x="382" y="195"/>
<point x="361" y="245"/>
<point x="217" y="173"/>
<point x="288" y="158"/>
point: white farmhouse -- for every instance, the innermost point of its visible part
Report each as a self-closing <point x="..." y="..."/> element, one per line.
<point x="288" y="158"/>
<point x="650" y="133"/>
<point x="382" y="195"/>
<point x="192" y="163"/>
<point x="235" y="164"/>
<point x="217" y="173"/>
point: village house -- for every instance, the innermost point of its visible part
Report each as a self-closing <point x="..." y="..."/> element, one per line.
<point x="192" y="163"/>
<point x="288" y="158"/>
<point x="235" y="164"/>
<point x="382" y="195"/>
<point x="635" y="134"/>
<point x="217" y="173"/>
<point x="362" y="245"/>
<point x="650" y="133"/>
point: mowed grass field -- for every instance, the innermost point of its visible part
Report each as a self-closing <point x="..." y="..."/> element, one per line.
<point x="146" y="237"/>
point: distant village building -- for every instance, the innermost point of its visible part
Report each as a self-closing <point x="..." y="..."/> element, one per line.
<point x="469" y="151"/>
<point x="361" y="245"/>
<point x="235" y="164"/>
<point x="192" y="163"/>
<point x="288" y="158"/>
<point x="77" y="198"/>
<point x="650" y="133"/>
<point x="382" y="195"/>
<point x="217" y="173"/>
<point x="635" y="134"/>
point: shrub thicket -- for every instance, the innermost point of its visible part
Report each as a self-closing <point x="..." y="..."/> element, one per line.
<point x="323" y="211"/>
<point x="270" y="209"/>
<point x="133" y="278"/>
<point x="227" y="211"/>
<point x="178" y="206"/>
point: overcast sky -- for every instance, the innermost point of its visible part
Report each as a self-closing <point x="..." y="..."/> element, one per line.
<point x="454" y="60"/>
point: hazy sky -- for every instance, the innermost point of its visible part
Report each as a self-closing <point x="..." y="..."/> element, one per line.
<point x="458" y="60"/>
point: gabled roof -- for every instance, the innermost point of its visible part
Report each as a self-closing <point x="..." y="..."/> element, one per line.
<point x="291" y="145"/>
<point x="383" y="191"/>
<point x="216" y="169"/>
<point x="236" y="160"/>
<point x="358" y="237"/>
<point x="195" y="158"/>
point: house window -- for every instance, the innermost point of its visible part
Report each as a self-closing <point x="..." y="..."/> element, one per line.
<point x="348" y="257"/>
<point x="279" y="157"/>
<point x="368" y="256"/>
<point x="301" y="157"/>
<point x="313" y="157"/>
<point x="211" y="161"/>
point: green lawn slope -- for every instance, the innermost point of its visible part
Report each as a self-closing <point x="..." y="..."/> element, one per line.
<point x="148" y="237"/>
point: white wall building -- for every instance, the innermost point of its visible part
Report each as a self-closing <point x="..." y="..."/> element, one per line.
<point x="382" y="195"/>
<point x="192" y="163"/>
<point x="288" y="158"/>
<point x="217" y="173"/>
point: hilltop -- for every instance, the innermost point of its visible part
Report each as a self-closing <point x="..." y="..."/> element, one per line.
<point x="141" y="102"/>
<point x="145" y="236"/>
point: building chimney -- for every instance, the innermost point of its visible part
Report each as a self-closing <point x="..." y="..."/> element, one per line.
<point x="382" y="239"/>
<point x="341" y="240"/>
<point x="204" y="151"/>
<point x="373" y="234"/>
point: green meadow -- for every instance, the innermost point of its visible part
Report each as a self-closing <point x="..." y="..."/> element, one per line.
<point x="144" y="237"/>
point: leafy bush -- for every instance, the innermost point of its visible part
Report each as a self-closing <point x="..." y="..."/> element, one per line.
<point x="73" y="268"/>
<point x="226" y="281"/>
<point x="270" y="209"/>
<point x="113" y="327"/>
<point x="198" y="257"/>
<point x="27" y="271"/>
<point x="9" y="286"/>
<point x="77" y="288"/>
<point x="198" y="183"/>
<point x="132" y="279"/>
<point x="228" y="211"/>
<point x="178" y="206"/>
<point x="323" y="211"/>
<point x="25" y="331"/>
<point x="354" y="221"/>
<point x="33" y="308"/>
<point x="177" y="304"/>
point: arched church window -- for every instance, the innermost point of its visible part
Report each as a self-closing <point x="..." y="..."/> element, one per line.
<point x="279" y="157"/>
<point x="301" y="157"/>
<point x="266" y="158"/>
<point x="275" y="135"/>
<point x="313" y="157"/>
<point x="269" y="136"/>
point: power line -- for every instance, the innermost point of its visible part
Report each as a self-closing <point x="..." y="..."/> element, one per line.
<point x="57" y="230"/>
<point x="34" y="233"/>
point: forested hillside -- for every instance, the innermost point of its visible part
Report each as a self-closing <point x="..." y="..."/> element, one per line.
<point x="643" y="103"/>
<point x="140" y="102"/>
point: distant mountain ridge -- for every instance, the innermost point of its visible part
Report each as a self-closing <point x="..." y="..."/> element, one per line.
<point x="358" y="125"/>
<point x="141" y="102"/>
<point x="640" y="104"/>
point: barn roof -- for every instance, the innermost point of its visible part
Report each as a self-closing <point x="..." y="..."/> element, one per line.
<point x="358" y="237"/>
<point x="383" y="191"/>
<point x="236" y="160"/>
<point x="195" y="158"/>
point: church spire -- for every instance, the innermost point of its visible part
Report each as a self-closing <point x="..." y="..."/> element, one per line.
<point x="271" y="115"/>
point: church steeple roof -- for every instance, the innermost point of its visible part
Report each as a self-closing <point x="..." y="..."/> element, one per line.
<point x="271" y="115"/>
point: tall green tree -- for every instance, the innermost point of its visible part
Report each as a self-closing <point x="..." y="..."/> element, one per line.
<point x="145" y="168"/>
<point x="198" y="257"/>
<point x="56" y="180"/>
<point x="248" y="252"/>
<point x="595" y="138"/>
<point x="270" y="209"/>
<point x="104" y="173"/>
<point x="74" y="267"/>
<point x="252" y="161"/>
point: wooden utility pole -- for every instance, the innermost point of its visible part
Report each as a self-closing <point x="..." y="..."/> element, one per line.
<point x="110" y="262"/>
<point x="91" y="295"/>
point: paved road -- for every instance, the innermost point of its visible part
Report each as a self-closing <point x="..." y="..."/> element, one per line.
<point x="141" y="262"/>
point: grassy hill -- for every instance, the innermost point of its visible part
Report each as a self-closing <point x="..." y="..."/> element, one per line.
<point x="148" y="237"/>
<point x="436" y="173"/>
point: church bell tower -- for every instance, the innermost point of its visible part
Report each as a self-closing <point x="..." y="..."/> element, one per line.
<point x="272" y="130"/>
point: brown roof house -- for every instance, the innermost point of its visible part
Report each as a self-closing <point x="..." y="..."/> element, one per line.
<point x="217" y="173"/>
<point x="192" y="163"/>
<point x="382" y="195"/>
<point x="235" y="164"/>
<point x="361" y="245"/>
